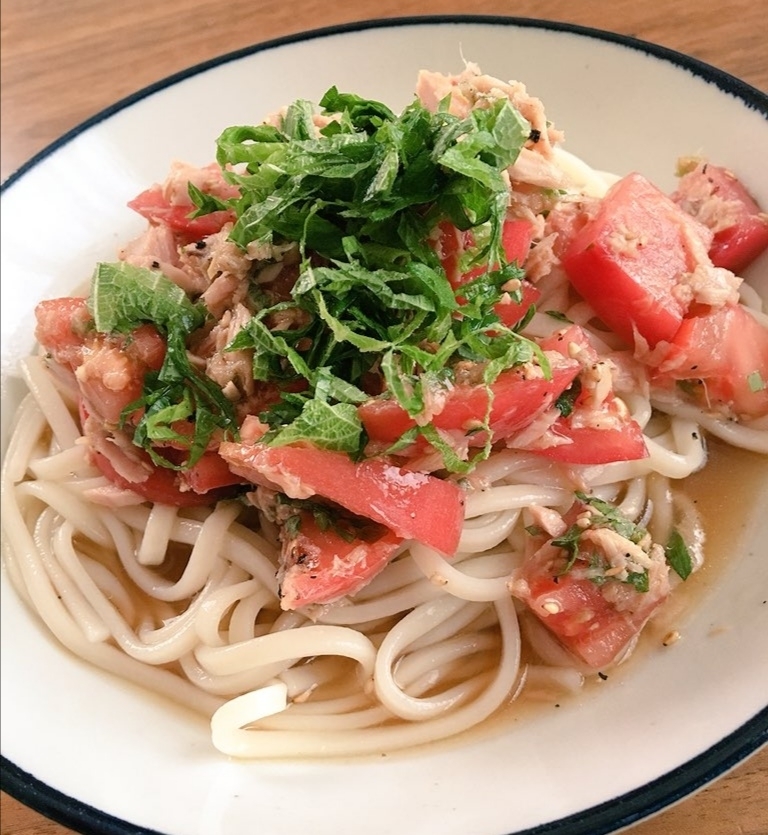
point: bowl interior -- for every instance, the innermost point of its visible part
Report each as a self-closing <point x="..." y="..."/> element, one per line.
<point x="149" y="764"/>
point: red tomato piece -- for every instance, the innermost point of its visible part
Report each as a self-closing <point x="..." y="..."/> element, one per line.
<point x="716" y="197"/>
<point x="727" y="349"/>
<point x="209" y="472"/>
<point x="110" y="369"/>
<point x="321" y="566"/>
<point x="516" y="401"/>
<point x="160" y="486"/>
<point x="578" y="614"/>
<point x="595" y="620"/>
<point x="452" y="243"/>
<point x="155" y="207"/>
<point x="565" y="219"/>
<point x="414" y="505"/>
<point x="516" y="238"/>
<point x="204" y="483"/>
<point x="590" y="434"/>
<point x="610" y="435"/>
<point x="147" y="346"/>
<point x="511" y="312"/>
<point x="628" y="259"/>
<point x="62" y="325"/>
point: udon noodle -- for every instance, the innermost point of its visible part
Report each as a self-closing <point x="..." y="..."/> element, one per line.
<point x="184" y="601"/>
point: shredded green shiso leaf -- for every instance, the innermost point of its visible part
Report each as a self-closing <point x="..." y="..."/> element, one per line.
<point x="361" y="198"/>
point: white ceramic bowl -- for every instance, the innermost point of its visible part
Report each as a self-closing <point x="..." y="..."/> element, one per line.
<point x="103" y="757"/>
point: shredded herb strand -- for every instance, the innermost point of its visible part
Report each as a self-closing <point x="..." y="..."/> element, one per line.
<point x="362" y="197"/>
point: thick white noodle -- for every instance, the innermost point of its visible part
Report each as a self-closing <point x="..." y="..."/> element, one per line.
<point x="157" y="535"/>
<point x="262" y="741"/>
<point x="460" y="583"/>
<point x="736" y="434"/>
<point x="51" y="402"/>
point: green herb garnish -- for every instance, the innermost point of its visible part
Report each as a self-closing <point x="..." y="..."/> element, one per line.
<point x="607" y="516"/>
<point x="755" y="382"/>
<point x="361" y="198"/>
<point x="678" y="556"/>
<point x="123" y="298"/>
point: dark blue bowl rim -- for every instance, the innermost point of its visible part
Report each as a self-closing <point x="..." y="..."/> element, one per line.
<point x="607" y="817"/>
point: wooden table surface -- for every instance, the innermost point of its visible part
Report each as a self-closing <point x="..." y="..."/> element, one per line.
<point x="62" y="62"/>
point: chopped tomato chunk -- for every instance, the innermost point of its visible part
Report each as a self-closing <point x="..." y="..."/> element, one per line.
<point x="627" y="260"/>
<point x="516" y="238"/>
<point x="516" y="401"/>
<point x="716" y="197"/>
<point x="412" y="504"/>
<point x="597" y="598"/>
<point x="161" y="485"/>
<point x="61" y="328"/>
<point x="204" y="483"/>
<point x="723" y="352"/>
<point x="599" y="428"/>
<point x="320" y="565"/>
<point x="583" y="620"/>
<point x="595" y="436"/>
<point x="156" y="208"/>
<point x="110" y="369"/>
<point x="511" y="312"/>
<point x="452" y="243"/>
<point x="170" y="204"/>
<point x="209" y="472"/>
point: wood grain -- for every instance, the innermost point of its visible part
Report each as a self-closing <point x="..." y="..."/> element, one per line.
<point x="61" y="63"/>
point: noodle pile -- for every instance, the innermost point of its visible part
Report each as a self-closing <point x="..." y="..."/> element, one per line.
<point x="428" y="649"/>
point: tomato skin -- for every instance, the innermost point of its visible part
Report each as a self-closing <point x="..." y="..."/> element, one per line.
<point x="516" y="401"/>
<point x="411" y="504"/>
<point x="627" y="260"/>
<point x="321" y="566"/>
<point x="155" y="207"/>
<point x="722" y="347"/>
<point x="735" y="246"/>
